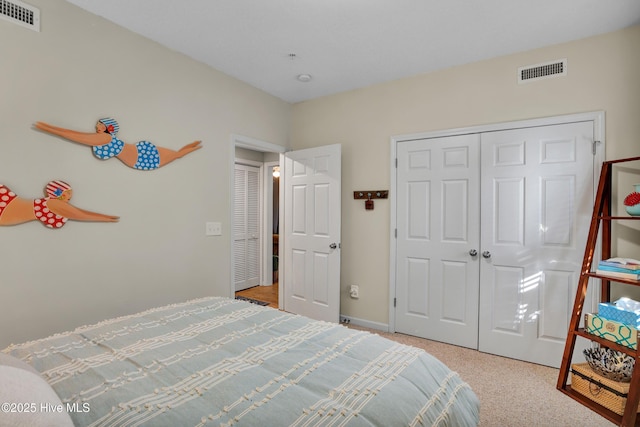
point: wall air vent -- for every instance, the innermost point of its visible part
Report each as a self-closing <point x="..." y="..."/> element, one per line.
<point x="20" y="13"/>
<point x="547" y="70"/>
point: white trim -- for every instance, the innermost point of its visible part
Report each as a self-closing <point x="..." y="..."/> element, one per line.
<point x="365" y="323"/>
<point x="247" y="162"/>
<point x="251" y="144"/>
<point x="520" y="124"/>
<point x="267" y="241"/>
<point x="598" y="118"/>
<point x="392" y="234"/>
<point x="256" y="144"/>
<point x="282" y="242"/>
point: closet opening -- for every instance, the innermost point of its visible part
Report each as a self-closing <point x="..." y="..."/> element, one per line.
<point x="260" y="283"/>
<point x="256" y="238"/>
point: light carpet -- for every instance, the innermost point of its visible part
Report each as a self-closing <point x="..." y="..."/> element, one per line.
<point x="512" y="393"/>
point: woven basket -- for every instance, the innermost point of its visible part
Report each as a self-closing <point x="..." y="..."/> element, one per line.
<point x="608" y="393"/>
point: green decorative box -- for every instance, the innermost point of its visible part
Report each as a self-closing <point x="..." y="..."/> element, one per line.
<point x="611" y="330"/>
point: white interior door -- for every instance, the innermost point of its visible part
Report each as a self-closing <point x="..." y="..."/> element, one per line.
<point x="311" y="222"/>
<point x="246" y="227"/>
<point x="524" y="202"/>
<point x="537" y="199"/>
<point x="437" y="273"/>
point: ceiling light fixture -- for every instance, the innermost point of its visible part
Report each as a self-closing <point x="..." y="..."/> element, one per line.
<point x="304" y="78"/>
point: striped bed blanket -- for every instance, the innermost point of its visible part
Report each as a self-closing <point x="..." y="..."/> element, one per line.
<point x="222" y="362"/>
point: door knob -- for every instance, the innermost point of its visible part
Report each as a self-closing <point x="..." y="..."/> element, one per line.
<point x="473" y="252"/>
<point x="486" y="254"/>
<point x="333" y="246"/>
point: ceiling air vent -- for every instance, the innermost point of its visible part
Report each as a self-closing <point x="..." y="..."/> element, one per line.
<point x="20" y="13"/>
<point x="547" y="70"/>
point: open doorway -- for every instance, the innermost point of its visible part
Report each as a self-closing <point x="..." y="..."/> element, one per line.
<point x="249" y="271"/>
<point x="267" y="157"/>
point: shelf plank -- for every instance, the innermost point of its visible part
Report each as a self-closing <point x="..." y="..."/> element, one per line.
<point x="613" y="279"/>
<point x="596" y="407"/>
<point x="619" y="218"/>
<point x="606" y="343"/>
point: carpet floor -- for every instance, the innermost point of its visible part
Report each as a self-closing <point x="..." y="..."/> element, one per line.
<point x="512" y="393"/>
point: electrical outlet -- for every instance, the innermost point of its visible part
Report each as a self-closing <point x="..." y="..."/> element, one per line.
<point x="213" y="229"/>
<point x="354" y="292"/>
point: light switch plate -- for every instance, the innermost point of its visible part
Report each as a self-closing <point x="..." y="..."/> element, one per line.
<point x="213" y="229"/>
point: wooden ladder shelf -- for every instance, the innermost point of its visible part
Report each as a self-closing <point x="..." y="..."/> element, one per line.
<point x="601" y="218"/>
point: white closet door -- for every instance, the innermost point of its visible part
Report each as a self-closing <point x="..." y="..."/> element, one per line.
<point x="523" y="199"/>
<point x="537" y="198"/>
<point x="246" y="233"/>
<point x="437" y="276"/>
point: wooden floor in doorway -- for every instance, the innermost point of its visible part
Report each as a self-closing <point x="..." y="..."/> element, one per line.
<point x="262" y="293"/>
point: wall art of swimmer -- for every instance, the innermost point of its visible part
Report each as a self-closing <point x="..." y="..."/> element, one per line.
<point x="142" y="155"/>
<point x="52" y="211"/>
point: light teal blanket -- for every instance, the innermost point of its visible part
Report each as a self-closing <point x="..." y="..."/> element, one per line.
<point x="222" y="362"/>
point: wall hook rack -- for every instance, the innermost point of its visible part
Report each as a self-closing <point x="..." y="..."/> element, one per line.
<point x="369" y="195"/>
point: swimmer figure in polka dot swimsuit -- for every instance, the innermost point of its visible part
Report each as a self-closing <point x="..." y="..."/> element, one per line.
<point x="53" y="211"/>
<point x="143" y="155"/>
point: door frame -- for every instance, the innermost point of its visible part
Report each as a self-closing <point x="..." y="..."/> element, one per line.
<point x="267" y="223"/>
<point x="598" y="118"/>
<point x="240" y="141"/>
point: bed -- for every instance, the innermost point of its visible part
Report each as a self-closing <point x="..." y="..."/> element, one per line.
<point x="222" y="362"/>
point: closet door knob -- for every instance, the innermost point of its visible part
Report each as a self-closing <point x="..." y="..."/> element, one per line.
<point x="333" y="246"/>
<point x="473" y="252"/>
<point x="486" y="254"/>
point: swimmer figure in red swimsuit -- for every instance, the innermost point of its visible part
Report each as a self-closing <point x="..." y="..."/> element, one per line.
<point x="53" y="211"/>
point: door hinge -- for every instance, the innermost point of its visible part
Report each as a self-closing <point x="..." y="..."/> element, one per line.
<point x="595" y="146"/>
<point x="394" y="302"/>
<point x="396" y="163"/>
<point x="395" y="232"/>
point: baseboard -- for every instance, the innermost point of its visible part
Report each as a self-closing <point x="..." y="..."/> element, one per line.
<point x="364" y="323"/>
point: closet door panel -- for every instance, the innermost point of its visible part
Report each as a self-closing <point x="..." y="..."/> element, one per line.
<point x="536" y="193"/>
<point x="438" y="207"/>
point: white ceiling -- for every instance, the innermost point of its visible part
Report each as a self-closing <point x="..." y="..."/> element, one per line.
<point x="348" y="44"/>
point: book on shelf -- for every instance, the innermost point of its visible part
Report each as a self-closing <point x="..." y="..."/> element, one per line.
<point x="628" y="263"/>
<point x="618" y="274"/>
<point x="607" y="267"/>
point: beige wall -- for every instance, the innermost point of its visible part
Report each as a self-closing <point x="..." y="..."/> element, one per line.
<point x="603" y="74"/>
<point x="78" y="69"/>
